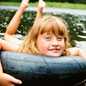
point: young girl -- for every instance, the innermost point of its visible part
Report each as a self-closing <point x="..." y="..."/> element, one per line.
<point x="49" y="36"/>
<point x="10" y="37"/>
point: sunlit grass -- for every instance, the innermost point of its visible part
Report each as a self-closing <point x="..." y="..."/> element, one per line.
<point x="49" y="4"/>
<point x="67" y="5"/>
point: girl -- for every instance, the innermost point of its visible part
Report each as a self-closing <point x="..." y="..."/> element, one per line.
<point x="49" y="36"/>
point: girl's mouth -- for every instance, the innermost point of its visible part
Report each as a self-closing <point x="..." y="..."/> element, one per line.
<point x="54" y="49"/>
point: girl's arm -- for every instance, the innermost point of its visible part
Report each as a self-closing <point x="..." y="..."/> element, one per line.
<point x="82" y="53"/>
<point x="40" y="8"/>
<point x="12" y="28"/>
<point x="14" y="23"/>
<point x="77" y="52"/>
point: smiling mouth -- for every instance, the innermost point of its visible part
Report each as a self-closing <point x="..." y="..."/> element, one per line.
<point x="54" y="50"/>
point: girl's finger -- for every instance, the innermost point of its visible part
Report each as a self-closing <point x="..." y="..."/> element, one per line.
<point x="13" y="79"/>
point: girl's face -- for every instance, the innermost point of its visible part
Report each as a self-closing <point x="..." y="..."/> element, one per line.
<point x="49" y="44"/>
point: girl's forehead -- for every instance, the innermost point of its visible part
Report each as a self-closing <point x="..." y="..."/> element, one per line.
<point x="47" y="32"/>
<point x="50" y="34"/>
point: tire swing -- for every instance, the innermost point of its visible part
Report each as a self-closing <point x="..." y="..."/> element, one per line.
<point x="36" y="70"/>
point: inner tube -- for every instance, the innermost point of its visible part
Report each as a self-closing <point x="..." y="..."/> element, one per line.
<point x="44" y="70"/>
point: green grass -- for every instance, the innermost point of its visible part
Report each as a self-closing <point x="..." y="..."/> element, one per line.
<point x="67" y="5"/>
<point x="49" y="4"/>
<point x="9" y="4"/>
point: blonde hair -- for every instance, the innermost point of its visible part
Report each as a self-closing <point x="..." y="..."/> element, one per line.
<point x="50" y="24"/>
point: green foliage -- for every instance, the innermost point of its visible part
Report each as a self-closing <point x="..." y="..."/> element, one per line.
<point x="76" y="27"/>
<point x="70" y="1"/>
<point x="5" y="17"/>
<point x="77" y="24"/>
<point x="26" y="20"/>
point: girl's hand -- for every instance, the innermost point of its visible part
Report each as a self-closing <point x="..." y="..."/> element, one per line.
<point x="8" y="80"/>
<point x="24" y="3"/>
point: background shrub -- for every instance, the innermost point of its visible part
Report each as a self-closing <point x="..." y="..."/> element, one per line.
<point x="77" y="24"/>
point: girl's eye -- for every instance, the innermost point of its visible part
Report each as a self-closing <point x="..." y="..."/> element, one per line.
<point x="48" y="38"/>
<point x="59" y="38"/>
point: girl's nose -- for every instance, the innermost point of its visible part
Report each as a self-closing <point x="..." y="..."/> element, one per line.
<point x="54" y="42"/>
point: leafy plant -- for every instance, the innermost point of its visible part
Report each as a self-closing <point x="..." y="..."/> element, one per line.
<point x="77" y="24"/>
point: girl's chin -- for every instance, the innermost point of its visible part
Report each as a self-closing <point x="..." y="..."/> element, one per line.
<point x="54" y="54"/>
